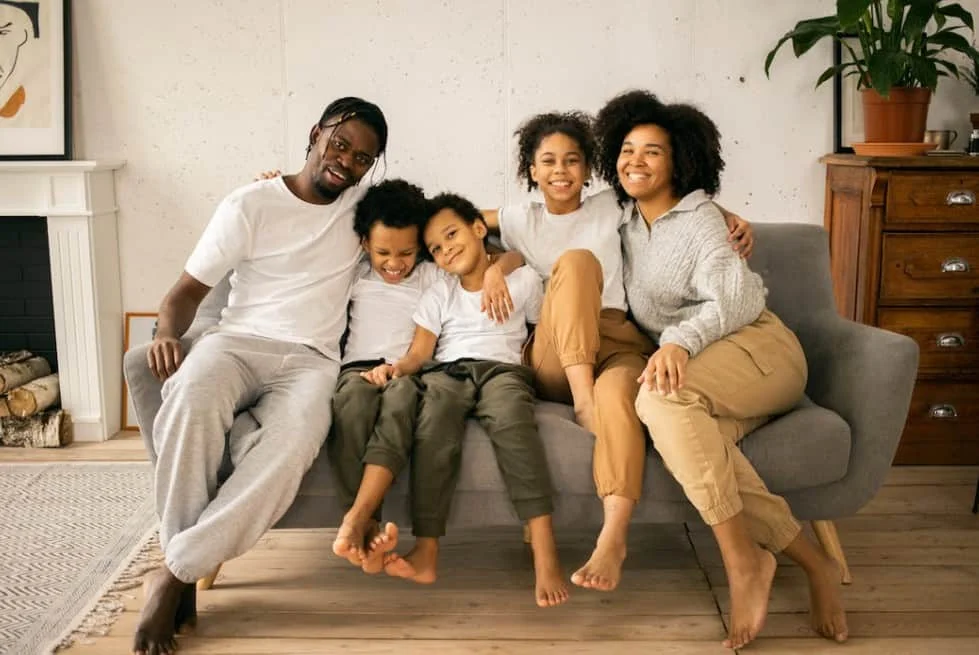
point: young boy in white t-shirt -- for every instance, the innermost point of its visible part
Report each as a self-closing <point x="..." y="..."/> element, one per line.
<point x="477" y="373"/>
<point x="373" y="430"/>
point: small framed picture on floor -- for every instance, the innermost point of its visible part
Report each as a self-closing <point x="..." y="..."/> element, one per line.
<point x="140" y="329"/>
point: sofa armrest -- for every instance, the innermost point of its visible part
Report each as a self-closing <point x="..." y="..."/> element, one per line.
<point x="866" y="375"/>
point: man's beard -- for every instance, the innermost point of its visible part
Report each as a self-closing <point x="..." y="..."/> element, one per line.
<point x="325" y="192"/>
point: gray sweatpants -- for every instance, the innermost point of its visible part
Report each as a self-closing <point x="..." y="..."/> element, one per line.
<point x="288" y="388"/>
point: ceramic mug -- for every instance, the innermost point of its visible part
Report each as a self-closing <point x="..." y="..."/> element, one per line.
<point x="944" y="138"/>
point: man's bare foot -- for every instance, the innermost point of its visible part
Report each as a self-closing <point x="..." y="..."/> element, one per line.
<point x="826" y="612"/>
<point x="352" y="537"/>
<point x="382" y="543"/>
<point x="185" y="619"/>
<point x="550" y="589"/>
<point x="419" y="565"/>
<point x="749" y="589"/>
<point x="603" y="570"/>
<point x="155" y="633"/>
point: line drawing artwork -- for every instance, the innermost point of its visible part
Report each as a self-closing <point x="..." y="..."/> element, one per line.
<point x="25" y="66"/>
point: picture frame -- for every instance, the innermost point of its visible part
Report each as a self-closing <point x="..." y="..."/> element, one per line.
<point x="847" y="101"/>
<point x="140" y="328"/>
<point x="35" y="80"/>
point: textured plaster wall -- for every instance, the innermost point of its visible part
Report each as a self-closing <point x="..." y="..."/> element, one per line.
<point x="199" y="95"/>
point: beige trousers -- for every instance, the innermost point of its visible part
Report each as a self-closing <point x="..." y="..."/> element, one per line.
<point x="732" y="387"/>
<point x="574" y="329"/>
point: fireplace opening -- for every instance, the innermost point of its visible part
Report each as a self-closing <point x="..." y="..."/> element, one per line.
<point x="26" y="304"/>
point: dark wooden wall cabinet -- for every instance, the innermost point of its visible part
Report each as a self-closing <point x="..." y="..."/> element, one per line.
<point x="904" y="249"/>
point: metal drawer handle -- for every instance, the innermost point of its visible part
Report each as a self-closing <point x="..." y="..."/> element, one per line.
<point x="943" y="411"/>
<point x="960" y="198"/>
<point x="955" y="265"/>
<point x="951" y="340"/>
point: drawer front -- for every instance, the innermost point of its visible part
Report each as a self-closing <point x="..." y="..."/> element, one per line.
<point x="936" y="198"/>
<point x="947" y="338"/>
<point x="930" y="267"/>
<point x="943" y="425"/>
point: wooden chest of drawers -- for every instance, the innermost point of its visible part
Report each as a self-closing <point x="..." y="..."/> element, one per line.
<point x="904" y="249"/>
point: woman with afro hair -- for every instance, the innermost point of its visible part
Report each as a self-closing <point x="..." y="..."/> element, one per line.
<point x="725" y="363"/>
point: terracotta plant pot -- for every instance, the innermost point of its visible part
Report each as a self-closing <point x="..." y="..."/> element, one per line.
<point x="899" y="118"/>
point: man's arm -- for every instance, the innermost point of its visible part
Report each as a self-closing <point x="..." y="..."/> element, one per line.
<point x="176" y="313"/>
<point x="739" y="232"/>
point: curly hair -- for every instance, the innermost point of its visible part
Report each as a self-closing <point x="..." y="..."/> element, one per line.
<point x="694" y="139"/>
<point x="575" y="125"/>
<point x="394" y="203"/>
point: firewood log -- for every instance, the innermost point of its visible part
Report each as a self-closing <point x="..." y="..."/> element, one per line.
<point x="4" y="410"/>
<point x="18" y="373"/>
<point x="35" y="396"/>
<point x="50" y="429"/>
<point x="15" y="356"/>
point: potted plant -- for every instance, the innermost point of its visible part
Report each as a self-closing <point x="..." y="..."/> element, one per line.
<point x="902" y="49"/>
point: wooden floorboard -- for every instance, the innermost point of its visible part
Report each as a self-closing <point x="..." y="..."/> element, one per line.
<point x="913" y="552"/>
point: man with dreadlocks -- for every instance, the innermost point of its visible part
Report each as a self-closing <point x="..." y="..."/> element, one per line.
<point x="292" y="250"/>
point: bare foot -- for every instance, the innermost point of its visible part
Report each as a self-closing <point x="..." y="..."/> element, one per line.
<point x="603" y="570"/>
<point x="826" y="612"/>
<point x="419" y="565"/>
<point x="186" y="616"/>
<point x="382" y="543"/>
<point x="155" y="633"/>
<point x="749" y="589"/>
<point x="550" y="588"/>
<point x="352" y="537"/>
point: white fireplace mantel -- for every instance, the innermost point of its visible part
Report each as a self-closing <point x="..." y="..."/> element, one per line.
<point x="78" y="200"/>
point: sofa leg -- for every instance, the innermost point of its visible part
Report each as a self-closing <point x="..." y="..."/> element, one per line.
<point x="526" y="533"/>
<point x="207" y="581"/>
<point x="829" y="539"/>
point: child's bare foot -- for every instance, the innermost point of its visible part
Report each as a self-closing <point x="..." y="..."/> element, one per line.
<point x="419" y="565"/>
<point x="603" y="570"/>
<point x="156" y="630"/>
<point x="826" y="611"/>
<point x="749" y="589"/>
<point x="382" y="543"/>
<point x="186" y="616"/>
<point x="550" y="588"/>
<point x="352" y="537"/>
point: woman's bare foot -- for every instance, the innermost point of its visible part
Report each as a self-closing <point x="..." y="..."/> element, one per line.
<point x="156" y="630"/>
<point x="419" y="565"/>
<point x="186" y="616"/>
<point x="352" y="537"/>
<point x="383" y="542"/>
<point x="826" y="612"/>
<point x="550" y="589"/>
<point x="750" y="587"/>
<point x="603" y="570"/>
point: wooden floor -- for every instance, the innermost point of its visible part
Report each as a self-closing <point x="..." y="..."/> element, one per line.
<point x="913" y="552"/>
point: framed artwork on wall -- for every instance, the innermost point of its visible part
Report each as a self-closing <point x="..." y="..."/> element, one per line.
<point x="35" y="79"/>
<point x="847" y="102"/>
<point x="139" y="329"/>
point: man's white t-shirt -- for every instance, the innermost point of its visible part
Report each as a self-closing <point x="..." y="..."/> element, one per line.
<point x="293" y="263"/>
<point x="381" y="324"/>
<point x="542" y="237"/>
<point x="452" y="314"/>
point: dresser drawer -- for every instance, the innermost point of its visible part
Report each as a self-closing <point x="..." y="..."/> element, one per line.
<point x="937" y="198"/>
<point x="947" y="338"/>
<point x="943" y="424"/>
<point x="930" y="267"/>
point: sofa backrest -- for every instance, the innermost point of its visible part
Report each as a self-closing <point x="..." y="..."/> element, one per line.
<point x="793" y="259"/>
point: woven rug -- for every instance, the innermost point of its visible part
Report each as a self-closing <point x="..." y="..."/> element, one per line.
<point x="67" y="532"/>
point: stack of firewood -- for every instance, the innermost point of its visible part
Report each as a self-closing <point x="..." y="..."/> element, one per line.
<point x="29" y="397"/>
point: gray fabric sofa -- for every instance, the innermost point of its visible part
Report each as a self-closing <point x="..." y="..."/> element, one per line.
<point x="828" y="457"/>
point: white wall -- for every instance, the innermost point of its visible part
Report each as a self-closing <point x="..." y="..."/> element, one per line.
<point x="199" y="95"/>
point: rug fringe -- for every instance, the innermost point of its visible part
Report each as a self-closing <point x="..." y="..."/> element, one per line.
<point x="110" y="603"/>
